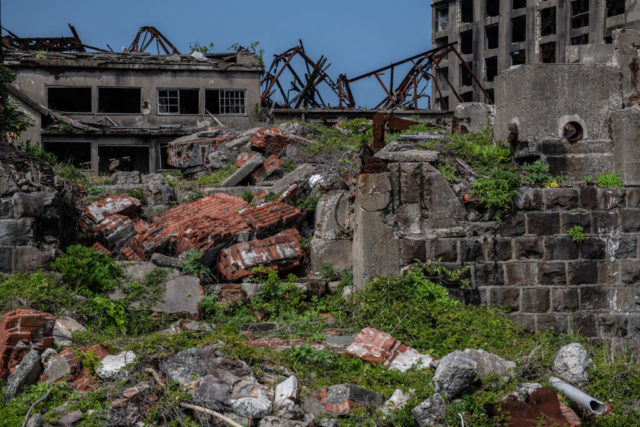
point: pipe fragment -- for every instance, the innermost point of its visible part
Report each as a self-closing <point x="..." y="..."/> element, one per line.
<point x="580" y="398"/>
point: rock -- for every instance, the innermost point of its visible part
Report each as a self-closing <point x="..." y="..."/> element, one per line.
<point x="489" y="363"/>
<point x="333" y="286"/>
<point x="249" y="400"/>
<point x="47" y="355"/>
<point x="34" y="421"/>
<point x="70" y="419"/>
<point x="408" y="156"/>
<point x="327" y="422"/>
<point x="57" y="367"/>
<point x="313" y="406"/>
<point x="27" y="372"/>
<point x="182" y="295"/>
<point x="572" y="363"/>
<point x="124" y="178"/>
<point x="299" y="176"/>
<point x="271" y="421"/>
<point x="526" y="390"/>
<point x="454" y="374"/>
<point x="398" y="400"/>
<point x="166" y="261"/>
<point x="342" y="398"/>
<point x="112" y="365"/>
<point x="287" y="390"/>
<point x="63" y="330"/>
<point x="211" y="392"/>
<point x="244" y="171"/>
<point x="430" y="412"/>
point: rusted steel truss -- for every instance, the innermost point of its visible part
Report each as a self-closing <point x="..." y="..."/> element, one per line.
<point x="405" y="92"/>
<point x="51" y="44"/>
<point x="146" y="36"/>
<point x="303" y="91"/>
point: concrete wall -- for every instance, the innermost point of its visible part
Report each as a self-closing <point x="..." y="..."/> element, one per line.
<point x="527" y="262"/>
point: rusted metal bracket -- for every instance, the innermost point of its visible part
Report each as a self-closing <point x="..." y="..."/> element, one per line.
<point x="146" y="36"/>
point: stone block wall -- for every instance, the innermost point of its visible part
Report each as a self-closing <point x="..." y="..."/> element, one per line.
<point x="527" y="262"/>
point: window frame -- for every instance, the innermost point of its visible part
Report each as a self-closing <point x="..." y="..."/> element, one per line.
<point x="47" y="87"/>
<point x="118" y="87"/>
<point x="178" y="89"/>
<point x="220" y="104"/>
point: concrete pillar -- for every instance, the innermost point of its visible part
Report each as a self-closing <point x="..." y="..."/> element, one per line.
<point x="95" y="159"/>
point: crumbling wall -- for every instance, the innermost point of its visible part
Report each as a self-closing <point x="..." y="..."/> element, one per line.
<point x="527" y="262"/>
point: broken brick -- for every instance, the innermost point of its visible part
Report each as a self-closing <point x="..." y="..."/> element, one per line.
<point x="78" y="377"/>
<point x="21" y="331"/>
<point x="272" y="141"/>
<point x="378" y="347"/>
<point x="268" y="168"/>
<point x="99" y="248"/>
<point x="272" y="217"/>
<point x="281" y="252"/>
<point x="121" y="204"/>
<point x="342" y="398"/>
<point x="231" y="293"/>
<point x="114" y="232"/>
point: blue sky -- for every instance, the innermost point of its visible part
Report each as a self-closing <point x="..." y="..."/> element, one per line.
<point x="355" y="35"/>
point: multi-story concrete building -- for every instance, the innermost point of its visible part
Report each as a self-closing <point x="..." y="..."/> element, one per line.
<point x="493" y="35"/>
<point x="118" y="111"/>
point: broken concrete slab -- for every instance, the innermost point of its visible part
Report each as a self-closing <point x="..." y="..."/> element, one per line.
<point x="338" y="253"/>
<point x="300" y="176"/>
<point x="64" y="329"/>
<point x="409" y="156"/>
<point x="243" y="171"/>
<point x="472" y="117"/>
<point x="182" y="295"/>
<point x="112" y="365"/>
<point x="270" y="166"/>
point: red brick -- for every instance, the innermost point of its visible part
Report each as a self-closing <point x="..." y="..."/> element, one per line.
<point x="271" y="165"/>
<point x="281" y="252"/>
<point x="231" y="293"/>
<point x="98" y="247"/>
<point x="272" y="141"/>
<point x="121" y="204"/>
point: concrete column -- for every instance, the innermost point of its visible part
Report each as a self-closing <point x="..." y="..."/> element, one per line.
<point x="479" y="10"/>
<point x="154" y="150"/>
<point x="563" y="25"/>
<point x="597" y="21"/>
<point x="533" y="47"/>
<point x="504" y="36"/>
<point x="95" y="159"/>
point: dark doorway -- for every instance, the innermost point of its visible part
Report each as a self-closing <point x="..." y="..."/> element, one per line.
<point x="76" y="153"/>
<point x="130" y="158"/>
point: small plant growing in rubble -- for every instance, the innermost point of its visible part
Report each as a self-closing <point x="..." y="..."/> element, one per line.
<point x="247" y="196"/>
<point x="202" y="48"/>
<point x="587" y="179"/>
<point x="87" y="270"/>
<point x="138" y="193"/>
<point x="576" y="233"/>
<point x="308" y="204"/>
<point x="193" y="266"/>
<point x="609" y="180"/>
<point x="537" y="173"/>
<point x="448" y="171"/>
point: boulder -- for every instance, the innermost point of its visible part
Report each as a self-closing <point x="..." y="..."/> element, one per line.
<point x="454" y="374"/>
<point x="572" y="363"/>
<point x="27" y="372"/>
<point x="430" y="412"/>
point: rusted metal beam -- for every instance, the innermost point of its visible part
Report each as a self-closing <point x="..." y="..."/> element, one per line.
<point x="148" y="35"/>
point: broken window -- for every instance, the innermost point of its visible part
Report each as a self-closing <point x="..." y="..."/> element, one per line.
<point x="466" y="10"/>
<point x="226" y="101"/>
<point x="579" y="13"/>
<point x="492" y="36"/>
<point x="491" y="65"/>
<point x="126" y="158"/>
<point x="519" y="29"/>
<point x="519" y="4"/>
<point x="466" y="79"/>
<point x="615" y="7"/>
<point x="548" y="52"/>
<point x="178" y="101"/>
<point x="442" y="19"/>
<point x="467" y="97"/>
<point x="119" y="100"/>
<point x="583" y="39"/>
<point x="443" y="76"/>
<point x="466" y="42"/>
<point x="69" y="99"/>
<point x="493" y="7"/>
<point x="442" y="104"/>
<point x="442" y="41"/>
<point x="76" y="153"/>
<point x="548" y="21"/>
<point x="518" y="57"/>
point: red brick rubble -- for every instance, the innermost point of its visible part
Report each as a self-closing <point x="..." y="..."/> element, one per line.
<point x="179" y="151"/>
<point x="281" y="252"/>
<point x="21" y="331"/>
<point x="270" y="165"/>
<point x="80" y="378"/>
<point x="272" y="141"/>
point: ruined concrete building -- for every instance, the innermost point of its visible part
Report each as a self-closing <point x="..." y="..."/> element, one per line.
<point x="117" y="111"/>
<point x="494" y="35"/>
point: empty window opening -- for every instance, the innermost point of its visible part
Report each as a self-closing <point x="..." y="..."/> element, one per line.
<point x="583" y="39"/>
<point x="573" y="132"/>
<point x="493" y="7"/>
<point x="467" y="97"/>
<point x="466" y="10"/>
<point x="442" y="41"/>
<point x="442" y="104"/>
<point x="466" y="42"/>
<point x="70" y="99"/>
<point x="519" y="29"/>
<point x="178" y="101"/>
<point x="443" y="76"/>
<point x="126" y="159"/>
<point x="76" y="153"/>
<point x="119" y="100"/>
<point x="226" y="101"/>
<point x="491" y="94"/>
<point x="548" y="52"/>
<point x="579" y="13"/>
<point x="491" y="65"/>
<point x="466" y="78"/>
<point x="519" y="4"/>
<point x="442" y="19"/>
<point x="518" y="57"/>
<point x="615" y="7"/>
<point x="548" y="21"/>
<point x="492" y="36"/>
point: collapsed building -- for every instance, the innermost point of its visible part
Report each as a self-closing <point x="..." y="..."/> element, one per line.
<point x="110" y="111"/>
<point x="495" y="35"/>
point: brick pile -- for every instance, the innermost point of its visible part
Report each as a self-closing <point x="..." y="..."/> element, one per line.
<point x="281" y="252"/>
<point x="189" y="151"/>
<point x="21" y="331"/>
<point x="272" y="141"/>
<point x="79" y="377"/>
<point x="378" y="347"/>
<point x="110" y="221"/>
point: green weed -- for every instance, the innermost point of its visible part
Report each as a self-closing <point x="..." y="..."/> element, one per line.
<point x="609" y="180"/>
<point x="576" y="233"/>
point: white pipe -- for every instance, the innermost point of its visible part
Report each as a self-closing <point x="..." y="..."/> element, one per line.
<point x="579" y="397"/>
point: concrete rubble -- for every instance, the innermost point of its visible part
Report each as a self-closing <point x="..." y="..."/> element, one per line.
<point x="572" y="362"/>
<point x="454" y="374"/>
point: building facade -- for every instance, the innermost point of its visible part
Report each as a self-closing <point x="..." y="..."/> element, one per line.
<point x="118" y="111"/>
<point x="493" y="35"/>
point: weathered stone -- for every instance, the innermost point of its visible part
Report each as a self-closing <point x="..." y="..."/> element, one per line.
<point x="535" y="300"/>
<point x="32" y="204"/>
<point x="529" y="199"/>
<point x="444" y="209"/>
<point x="521" y="273"/>
<point x="543" y="223"/>
<point x="430" y="412"/>
<point x="47" y="355"/>
<point x="16" y="231"/>
<point x="508" y="298"/>
<point x="593" y="248"/>
<point x="300" y="176"/>
<point x="64" y="329"/>
<point x="529" y="248"/>
<point x="454" y="374"/>
<point x="166" y="261"/>
<point x="182" y="294"/>
<point x="551" y="273"/>
<point x="572" y="363"/>
<point x="582" y="273"/>
<point x="272" y="421"/>
<point x="572" y="219"/>
<point x="488" y="363"/>
<point x="70" y="419"/>
<point x="342" y="398"/>
<point x="243" y="171"/>
<point x="123" y="178"/>
<point x="112" y="365"/>
<point x="564" y="299"/>
<point x="398" y="399"/>
<point x="408" y="156"/>
<point x="332" y="215"/>
<point x="338" y="253"/>
<point x="249" y="400"/>
<point x="286" y="390"/>
<point x="27" y="372"/>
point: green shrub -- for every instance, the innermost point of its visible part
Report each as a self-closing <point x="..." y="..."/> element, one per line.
<point x="609" y="180"/>
<point x="138" y="193"/>
<point x="448" y="171"/>
<point x="576" y="233"/>
<point x="308" y="204"/>
<point x="537" y="173"/>
<point x="87" y="270"/>
<point x="247" y="196"/>
<point x="497" y="189"/>
<point x="193" y="266"/>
